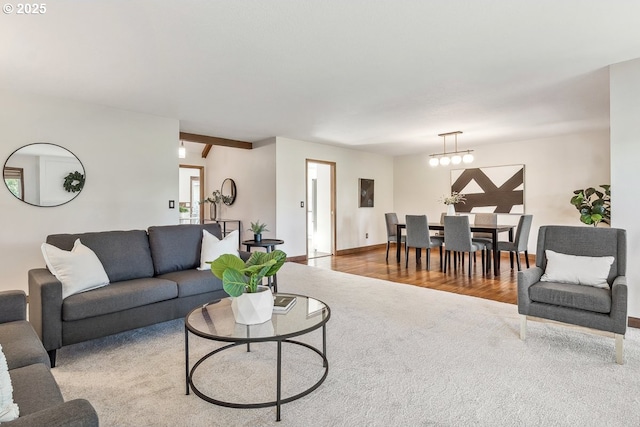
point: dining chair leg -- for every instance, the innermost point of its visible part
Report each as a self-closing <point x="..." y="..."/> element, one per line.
<point x="526" y="258"/>
<point x="469" y="264"/>
<point x="418" y="255"/>
<point x="387" y="257"/>
<point x="441" y="265"/>
<point x="483" y="264"/>
<point x="406" y="256"/>
<point x="428" y="259"/>
<point x="446" y="258"/>
<point x="511" y="259"/>
<point x="518" y="261"/>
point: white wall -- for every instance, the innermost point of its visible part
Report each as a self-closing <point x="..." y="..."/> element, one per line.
<point x="254" y="172"/>
<point x="352" y="222"/>
<point x="554" y="168"/>
<point x="625" y="172"/>
<point x="131" y="168"/>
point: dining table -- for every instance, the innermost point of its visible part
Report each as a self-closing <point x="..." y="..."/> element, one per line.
<point x="494" y="230"/>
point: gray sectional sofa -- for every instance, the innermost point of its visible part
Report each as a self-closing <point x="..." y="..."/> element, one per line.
<point x="35" y="391"/>
<point x="153" y="278"/>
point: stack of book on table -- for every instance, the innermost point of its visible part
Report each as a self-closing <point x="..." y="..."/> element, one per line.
<point x="283" y="303"/>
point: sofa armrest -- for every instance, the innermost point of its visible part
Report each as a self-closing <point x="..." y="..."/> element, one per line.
<point x="74" y="413"/>
<point x="13" y="306"/>
<point x="526" y="278"/>
<point x="45" y="307"/>
<point x="244" y="255"/>
<point x="619" y="304"/>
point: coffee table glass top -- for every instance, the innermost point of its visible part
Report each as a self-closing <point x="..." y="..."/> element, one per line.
<point x="215" y="320"/>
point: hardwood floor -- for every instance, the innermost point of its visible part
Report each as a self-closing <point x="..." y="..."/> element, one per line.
<point x="372" y="264"/>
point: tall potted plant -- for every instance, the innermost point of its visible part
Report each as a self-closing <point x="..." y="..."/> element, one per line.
<point x="594" y="205"/>
<point x="251" y="303"/>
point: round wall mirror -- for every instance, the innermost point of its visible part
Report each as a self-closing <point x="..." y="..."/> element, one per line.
<point x="44" y="174"/>
<point x="229" y="189"/>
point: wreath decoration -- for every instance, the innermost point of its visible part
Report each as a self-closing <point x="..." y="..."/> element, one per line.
<point x="73" y="182"/>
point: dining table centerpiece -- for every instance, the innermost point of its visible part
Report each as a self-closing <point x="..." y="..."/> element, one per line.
<point x="451" y="200"/>
<point x="251" y="302"/>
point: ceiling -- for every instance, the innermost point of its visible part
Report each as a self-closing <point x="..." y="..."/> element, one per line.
<point x="382" y="76"/>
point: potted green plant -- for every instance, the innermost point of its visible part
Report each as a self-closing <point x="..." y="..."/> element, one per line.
<point x="251" y="303"/>
<point x="594" y="205"/>
<point x="184" y="211"/>
<point x="257" y="229"/>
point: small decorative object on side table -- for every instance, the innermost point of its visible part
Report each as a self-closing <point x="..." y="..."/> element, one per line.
<point x="257" y="229"/>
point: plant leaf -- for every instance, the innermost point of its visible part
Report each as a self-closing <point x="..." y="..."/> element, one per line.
<point x="233" y="282"/>
<point x="220" y="264"/>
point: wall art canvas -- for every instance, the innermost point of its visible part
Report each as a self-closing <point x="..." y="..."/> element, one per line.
<point x="497" y="189"/>
<point x="366" y="193"/>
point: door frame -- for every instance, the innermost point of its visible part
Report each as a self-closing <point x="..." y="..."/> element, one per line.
<point x="201" y="174"/>
<point x="332" y="184"/>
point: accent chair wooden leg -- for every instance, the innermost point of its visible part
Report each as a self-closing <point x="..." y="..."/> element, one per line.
<point x="619" y="349"/>
<point x="523" y="327"/>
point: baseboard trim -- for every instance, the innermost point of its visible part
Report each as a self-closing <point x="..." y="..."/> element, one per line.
<point x="360" y="249"/>
<point x="299" y="258"/>
<point x="633" y="322"/>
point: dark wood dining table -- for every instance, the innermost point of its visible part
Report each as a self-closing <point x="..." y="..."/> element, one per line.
<point x="494" y="230"/>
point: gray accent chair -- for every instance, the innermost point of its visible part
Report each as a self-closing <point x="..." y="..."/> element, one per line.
<point x="391" y="220"/>
<point x="35" y="390"/>
<point x="457" y="238"/>
<point x="586" y="306"/>
<point x="520" y="242"/>
<point x="418" y="237"/>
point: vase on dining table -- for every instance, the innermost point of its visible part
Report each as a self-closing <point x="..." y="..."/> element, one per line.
<point x="451" y="209"/>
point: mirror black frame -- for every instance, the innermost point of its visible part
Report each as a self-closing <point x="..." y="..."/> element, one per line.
<point x="232" y="196"/>
<point x="73" y="183"/>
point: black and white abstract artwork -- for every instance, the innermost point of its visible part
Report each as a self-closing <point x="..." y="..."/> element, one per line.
<point x="497" y="189"/>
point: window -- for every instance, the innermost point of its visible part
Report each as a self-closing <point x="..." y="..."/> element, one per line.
<point x="13" y="178"/>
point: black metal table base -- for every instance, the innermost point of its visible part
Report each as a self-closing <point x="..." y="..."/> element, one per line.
<point x="279" y="399"/>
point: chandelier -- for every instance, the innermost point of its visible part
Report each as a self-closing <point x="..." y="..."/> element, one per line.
<point x="453" y="157"/>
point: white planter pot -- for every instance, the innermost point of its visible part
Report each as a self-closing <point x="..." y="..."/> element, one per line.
<point x="451" y="210"/>
<point x="251" y="309"/>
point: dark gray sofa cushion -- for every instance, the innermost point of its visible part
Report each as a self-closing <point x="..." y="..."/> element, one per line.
<point x="177" y="247"/>
<point x="34" y="388"/>
<point x="193" y="282"/>
<point x="118" y="297"/>
<point x="573" y="296"/>
<point x="125" y="255"/>
<point x="21" y="345"/>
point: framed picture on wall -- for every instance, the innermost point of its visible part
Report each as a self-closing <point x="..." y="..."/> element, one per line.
<point x="366" y="193"/>
<point x="496" y="189"/>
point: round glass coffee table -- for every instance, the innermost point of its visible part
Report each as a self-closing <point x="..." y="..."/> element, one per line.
<point x="214" y="321"/>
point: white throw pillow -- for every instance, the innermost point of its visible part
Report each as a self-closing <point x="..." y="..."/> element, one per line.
<point x="79" y="270"/>
<point x="8" y="409"/>
<point x="579" y="270"/>
<point x="212" y="247"/>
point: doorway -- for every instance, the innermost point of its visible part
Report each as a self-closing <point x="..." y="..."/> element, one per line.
<point x="191" y="194"/>
<point x="321" y="218"/>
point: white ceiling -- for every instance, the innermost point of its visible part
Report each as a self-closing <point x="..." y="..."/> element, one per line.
<point x="383" y="76"/>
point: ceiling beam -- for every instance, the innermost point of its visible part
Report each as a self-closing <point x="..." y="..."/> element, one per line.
<point x="206" y="150"/>
<point x="214" y="140"/>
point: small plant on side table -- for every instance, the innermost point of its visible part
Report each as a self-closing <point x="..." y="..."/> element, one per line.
<point x="257" y="228"/>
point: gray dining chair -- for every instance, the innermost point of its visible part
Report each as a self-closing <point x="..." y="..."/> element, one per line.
<point x="520" y="242"/>
<point x="391" y="221"/>
<point x="418" y="237"/>
<point x="457" y="238"/>
<point x="485" y="239"/>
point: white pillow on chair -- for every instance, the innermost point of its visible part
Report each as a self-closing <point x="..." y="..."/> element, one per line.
<point x="578" y="270"/>
<point x="8" y="409"/>
<point x="78" y="270"/>
<point x="212" y="247"/>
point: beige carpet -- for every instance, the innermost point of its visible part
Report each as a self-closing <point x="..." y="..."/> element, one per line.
<point x="399" y="356"/>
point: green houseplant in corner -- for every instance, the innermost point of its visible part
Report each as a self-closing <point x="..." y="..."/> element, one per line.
<point x="257" y="229"/>
<point x="594" y="205"/>
<point x="251" y="303"/>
